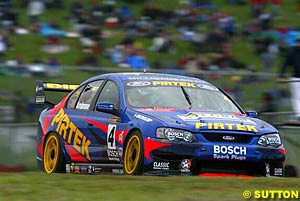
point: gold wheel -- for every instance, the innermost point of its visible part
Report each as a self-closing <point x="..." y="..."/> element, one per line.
<point x="52" y="155"/>
<point x="133" y="155"/>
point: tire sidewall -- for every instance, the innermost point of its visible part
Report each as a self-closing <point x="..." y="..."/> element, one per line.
<point x="60" y="159"/>
<point x="139" y="167"/>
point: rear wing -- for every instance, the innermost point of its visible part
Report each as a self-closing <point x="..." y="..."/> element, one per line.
<point x="42" y="87"/>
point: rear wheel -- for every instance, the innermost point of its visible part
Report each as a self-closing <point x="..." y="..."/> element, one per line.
<point x="134" y="154"/>
<point x="53" y="156"/>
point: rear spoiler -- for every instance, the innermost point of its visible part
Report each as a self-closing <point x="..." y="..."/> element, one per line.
<point x="41" y="87"/>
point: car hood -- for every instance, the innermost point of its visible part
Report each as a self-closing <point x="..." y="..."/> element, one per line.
<point x="199" y="121"/>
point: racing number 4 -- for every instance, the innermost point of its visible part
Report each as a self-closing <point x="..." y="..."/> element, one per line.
<point x="111" y="133"/>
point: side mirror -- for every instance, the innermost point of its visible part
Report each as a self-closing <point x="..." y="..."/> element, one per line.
<point x="106" y="107"/>
<point x="251" y="113"/>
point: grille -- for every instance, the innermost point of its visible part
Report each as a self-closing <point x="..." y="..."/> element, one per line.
<point x="219" y="137"/>
<point x="231" y="167"/>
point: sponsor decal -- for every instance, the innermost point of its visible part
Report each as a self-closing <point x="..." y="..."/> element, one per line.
<point x="173" y="83"/>
<point x="230" y="152"/>
<point x="38" y="88"/>
<point x="161" y="165"/>
<point x="82" y="169"/>
<point x="82" y="106"/>
<point x="60" y="86"/>
<point x="142" y="117"/>
<point x="138" y="83"/>
<point x="268" y="171"/>
<point x="76" y="169"/>
<point x="40" y="99"/>
<point x="157" y="78"/>
<point x="131" y="73"/>
<point x="185" y="165"/>
<point x="90" y="169"/>
<point x="277" y="171"/>
<point x="120" y="149"/>
<point x="208" y="87"/>
<point x="113" y="154"/>
<point x="71" y="134"/>
<point x="196" y="116"/>
<point x="117" y="171"/>
<point x="121" y="137"/>
<point x="226" y="126"/>
<point x="114" y="120"/>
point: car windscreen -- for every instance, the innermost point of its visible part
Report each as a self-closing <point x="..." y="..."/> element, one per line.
<point x="183" y="95"/>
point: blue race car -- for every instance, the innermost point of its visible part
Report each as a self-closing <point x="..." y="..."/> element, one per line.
<point x="158" y="124"/>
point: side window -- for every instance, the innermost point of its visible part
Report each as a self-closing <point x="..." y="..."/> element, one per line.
<point x="73" y="98"/>
<point x="110" y="93"/>
<point x="88" y="94"/>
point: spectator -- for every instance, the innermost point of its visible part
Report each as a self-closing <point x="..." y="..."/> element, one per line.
<point x="135" y="58"/>
<point x="257" y="7"/>
<point x="52" y="62"/>
<point x="265" y="21"/>
<point x="35" y="8"/>
<point x="55" y="3"/>
<point x="268" y="105"/>
<point x="239" y="2"/>
<point x="157" y="65"/>
<point x="16" y="61"/>
<point x="3" y="47"/>
<point x="76" y="9"/>
<point x="292" y="59"/>
<point x="53" y="67"/>
<point x="268" y="54"/>
<point x="95" y="8"/>
<point x="9" y="19"/>
<point x="276" y="7"/>
<point x="161" y="44"/>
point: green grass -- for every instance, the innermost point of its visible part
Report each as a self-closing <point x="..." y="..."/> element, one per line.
<point x="36" y="186"/>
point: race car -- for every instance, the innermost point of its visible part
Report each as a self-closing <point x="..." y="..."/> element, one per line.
<point x="152" y="124"/>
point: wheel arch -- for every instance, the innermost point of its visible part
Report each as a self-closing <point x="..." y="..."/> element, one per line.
<point x="128" y="136"/>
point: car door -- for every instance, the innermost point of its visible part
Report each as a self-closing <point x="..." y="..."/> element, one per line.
<point x="79" y="141"/>
<point x="106" y="127"/>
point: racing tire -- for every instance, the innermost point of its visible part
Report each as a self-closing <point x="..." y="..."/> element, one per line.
<point x="53" y="160"/>
<point x="134" y="154"/>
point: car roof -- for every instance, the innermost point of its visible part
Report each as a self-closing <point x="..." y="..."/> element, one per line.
<point x="141" y="76"/>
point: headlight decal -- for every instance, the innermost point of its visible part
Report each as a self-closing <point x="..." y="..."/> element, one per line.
<point x="173" y="134"/>
<point x="270" y="140"/>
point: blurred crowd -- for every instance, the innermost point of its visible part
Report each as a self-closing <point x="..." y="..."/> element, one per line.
<point x="208" y="31"/>
<point x="198" y="31"/>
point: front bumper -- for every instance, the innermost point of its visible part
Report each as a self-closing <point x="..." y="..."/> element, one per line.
<point x="196" y="158"/>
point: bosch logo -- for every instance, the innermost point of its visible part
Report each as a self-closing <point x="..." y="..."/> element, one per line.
<point x="237" y="150"/>
<point x="228" y="138"/>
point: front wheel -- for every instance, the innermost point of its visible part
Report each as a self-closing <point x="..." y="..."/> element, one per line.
<point x="53" y="156"/>
<point x="134" y="154"/>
